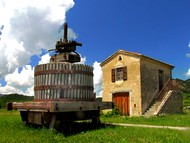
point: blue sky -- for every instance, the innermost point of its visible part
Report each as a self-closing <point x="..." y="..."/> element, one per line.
<point x="158" y="29"/>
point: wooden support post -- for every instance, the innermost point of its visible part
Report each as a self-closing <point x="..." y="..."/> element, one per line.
<point x="52" y="124"/>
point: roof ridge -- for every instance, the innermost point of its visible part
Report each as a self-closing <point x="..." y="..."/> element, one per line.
<point x="133" y="54"/>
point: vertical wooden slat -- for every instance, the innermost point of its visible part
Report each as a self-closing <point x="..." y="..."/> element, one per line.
<point x="55" y="94"/>
<point x="86" y="93"/>
<point x="65" y="93"/>
<point x="75" y="95"/>
<point x="65" y="79"/>
<point x="56" y="81"/>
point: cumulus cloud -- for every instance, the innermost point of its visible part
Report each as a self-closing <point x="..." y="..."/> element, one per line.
<point x="188" y="55"/>
<point x="9" y="89"/>
<point x="83" y="60"/>
<point x="1" y="30"/>
<point x="97" y="78"/>
<point x="188" y="73"/>
<point x="45" y="59"/>
<point x="26" y="27"/>
<point x="19" y="82"/>
<point x="20" y="79"/>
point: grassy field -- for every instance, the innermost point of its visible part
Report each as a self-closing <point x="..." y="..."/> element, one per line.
<point x="166" y="120"/>
<point x="186" y="99"/>
<point x="12" y="130"/>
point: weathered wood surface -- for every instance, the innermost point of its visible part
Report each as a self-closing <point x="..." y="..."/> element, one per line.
<point x="63" y="81"/>
<point x="61" y="106"/>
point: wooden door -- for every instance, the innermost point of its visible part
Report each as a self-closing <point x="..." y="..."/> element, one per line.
<point x="121" y="101"/>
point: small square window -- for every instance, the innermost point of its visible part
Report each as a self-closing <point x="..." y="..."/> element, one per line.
<point x="119" y="74"/>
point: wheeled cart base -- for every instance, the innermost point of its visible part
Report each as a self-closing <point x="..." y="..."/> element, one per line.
<point x="55" y="114"/>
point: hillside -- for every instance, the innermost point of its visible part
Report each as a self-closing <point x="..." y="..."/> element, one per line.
<point x="14" y="98"/>
<point x="184" y="85"/>
<point x="185" y="89"/>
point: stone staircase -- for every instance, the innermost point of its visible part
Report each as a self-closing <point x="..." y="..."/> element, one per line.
<point x="161" y="98"/>
<point x="152" y="109"/>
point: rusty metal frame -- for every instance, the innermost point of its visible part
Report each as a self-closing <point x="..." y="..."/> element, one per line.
<point x="65" y="99"/>
<point x="44" y="87"/>
<point x="63" y="72"/>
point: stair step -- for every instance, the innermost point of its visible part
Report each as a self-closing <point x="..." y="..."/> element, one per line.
<point x="164" y="93"/>
<point x="152" y="109"/>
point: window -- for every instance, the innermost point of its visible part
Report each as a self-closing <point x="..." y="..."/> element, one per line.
<point x="119" y="74"/>
<point x="120" y="58"/>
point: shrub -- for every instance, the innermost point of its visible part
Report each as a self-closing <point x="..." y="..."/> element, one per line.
<point x="114" y="112"/>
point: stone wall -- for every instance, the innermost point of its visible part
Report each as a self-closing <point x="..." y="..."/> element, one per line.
<point x="173" y="105"/>
<point x="142" y="79"/>
<point x="150" y="80"/>
<point x="131" y="85"/>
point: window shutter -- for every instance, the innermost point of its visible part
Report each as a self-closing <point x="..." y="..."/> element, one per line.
<point x="124" y="73"/>
<point x="113" y="75"/>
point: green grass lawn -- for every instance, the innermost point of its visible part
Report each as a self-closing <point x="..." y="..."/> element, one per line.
<point x="12" y="130"/>
<point x="166" y="120"/>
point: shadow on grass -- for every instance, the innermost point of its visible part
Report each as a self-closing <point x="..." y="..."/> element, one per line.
<point x="73" y="128"/>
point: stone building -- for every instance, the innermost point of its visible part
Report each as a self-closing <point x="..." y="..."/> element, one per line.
<point x="140" y="85"/>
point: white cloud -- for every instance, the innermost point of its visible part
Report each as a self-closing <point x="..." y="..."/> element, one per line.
<point x="71" y="34"/>
<point x="45" y="59"/>
<point x="19" y="82"/>
<point x="26" y="27"/>
<point x="21" y="79"/>
<point x="22" y="82"/>
<point x="188" y="73"/>
<point x="9" y="89"/>
<point x="82" y="60"/>
<point x="29" y="26"/>
<point x="97" y="78"/>
<point x="30" y="91"/>
<point x="188" y="55"/>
